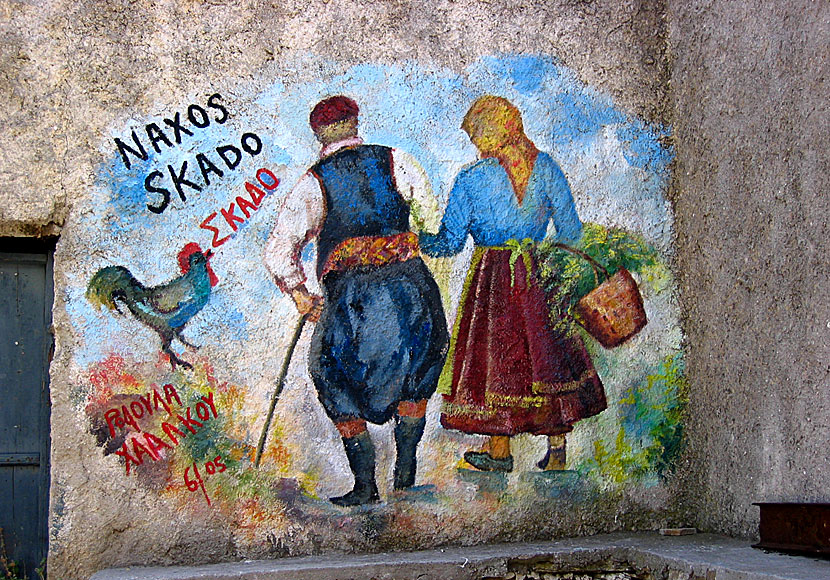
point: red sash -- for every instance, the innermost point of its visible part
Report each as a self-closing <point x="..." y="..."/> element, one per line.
<point x="372" y="251"/>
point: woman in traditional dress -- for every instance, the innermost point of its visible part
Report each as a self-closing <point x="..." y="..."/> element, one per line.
<point x="510" y="369"/>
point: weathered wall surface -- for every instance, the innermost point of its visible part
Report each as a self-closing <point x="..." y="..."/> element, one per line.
<point x="82" y="74"/>
<point x="750" y="136"/>
<point x="34" y="124"/>
<point x="752" y="131"/>
<point x="70" y="69"/>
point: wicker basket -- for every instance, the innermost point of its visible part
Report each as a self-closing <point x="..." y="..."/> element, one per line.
<point x="613" y="311"/>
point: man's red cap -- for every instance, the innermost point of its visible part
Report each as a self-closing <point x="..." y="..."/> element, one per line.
<point x="332" y="110"/>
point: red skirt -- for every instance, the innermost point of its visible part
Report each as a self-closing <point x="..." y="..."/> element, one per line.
<point x="508" y="371"/>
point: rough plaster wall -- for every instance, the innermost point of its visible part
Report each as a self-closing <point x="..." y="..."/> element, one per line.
<point x="752" y="135"/>
<point x="34" y="146"/>
<point x="70" y="68"/>
<point x="75" y="68"/>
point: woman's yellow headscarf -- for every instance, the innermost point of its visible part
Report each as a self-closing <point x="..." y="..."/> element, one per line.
<point x="492" y="122"/>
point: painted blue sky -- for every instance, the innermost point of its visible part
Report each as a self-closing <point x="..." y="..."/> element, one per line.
<point x="616" y="164"/>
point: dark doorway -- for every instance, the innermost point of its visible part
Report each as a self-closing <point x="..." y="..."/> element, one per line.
<point x="25" y="351"/>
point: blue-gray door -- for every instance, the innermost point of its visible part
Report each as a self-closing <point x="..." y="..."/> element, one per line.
<point x="25" y="349"/>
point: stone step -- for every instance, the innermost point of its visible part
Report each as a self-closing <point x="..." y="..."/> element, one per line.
<point x="646" y="556"/>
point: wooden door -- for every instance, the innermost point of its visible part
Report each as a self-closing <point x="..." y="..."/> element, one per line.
<point x="25" y="349"/>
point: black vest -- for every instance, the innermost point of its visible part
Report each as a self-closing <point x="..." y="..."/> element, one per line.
<point x="361" y="198"/>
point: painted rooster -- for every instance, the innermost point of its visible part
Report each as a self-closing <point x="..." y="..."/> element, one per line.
<point x="165" y="308"/>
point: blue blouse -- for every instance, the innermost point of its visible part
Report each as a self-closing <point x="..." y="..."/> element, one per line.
<point x="482" y="204"/>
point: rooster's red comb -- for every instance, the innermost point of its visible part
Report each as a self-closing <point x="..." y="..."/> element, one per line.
<point x="185" y="253"/>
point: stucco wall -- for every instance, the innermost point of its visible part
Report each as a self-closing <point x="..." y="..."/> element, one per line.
<point x="79" y="74"/>
<point x="84" y="73"/>
<point x="71" y="68"/>
<point x="751" y="130"/>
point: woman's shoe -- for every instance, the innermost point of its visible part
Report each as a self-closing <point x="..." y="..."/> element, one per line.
<point x="554" y="459"/>
<point x="486" y="462"/>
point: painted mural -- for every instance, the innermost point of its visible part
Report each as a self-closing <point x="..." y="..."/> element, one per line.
<point x="398" y="293"/>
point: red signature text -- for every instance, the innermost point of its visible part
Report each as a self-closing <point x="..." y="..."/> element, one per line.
<point x="141" y="445"/>
<point x="196" y="482"/>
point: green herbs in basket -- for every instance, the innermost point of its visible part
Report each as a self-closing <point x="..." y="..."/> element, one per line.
<point x="568" y="277"/>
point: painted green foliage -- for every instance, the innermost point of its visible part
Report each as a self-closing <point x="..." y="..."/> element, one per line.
<point x="650" y="433"/>
<point x="570" y="277"/>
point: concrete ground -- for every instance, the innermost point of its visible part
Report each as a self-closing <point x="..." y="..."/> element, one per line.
<point x="649" y="556"/>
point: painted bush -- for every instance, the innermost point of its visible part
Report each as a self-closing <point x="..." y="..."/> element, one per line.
<point x="182" y="331"/>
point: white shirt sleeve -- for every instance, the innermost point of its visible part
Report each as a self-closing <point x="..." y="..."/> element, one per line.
<point x="414" y="186"/>
<point x="299" y="220"/>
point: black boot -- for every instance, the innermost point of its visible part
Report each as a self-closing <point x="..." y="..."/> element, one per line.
<point x="361" y="455"/>
<point x="408" y="432"/>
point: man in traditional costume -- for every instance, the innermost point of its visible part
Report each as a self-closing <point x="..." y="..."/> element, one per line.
<point x="510" y="368"/>
<point x="381" y="335"/>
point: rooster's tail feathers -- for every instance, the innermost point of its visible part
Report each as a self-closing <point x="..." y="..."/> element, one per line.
<point x="110" y="283"/>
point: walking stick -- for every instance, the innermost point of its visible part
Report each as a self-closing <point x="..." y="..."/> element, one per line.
<point x="280" y="382"/>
